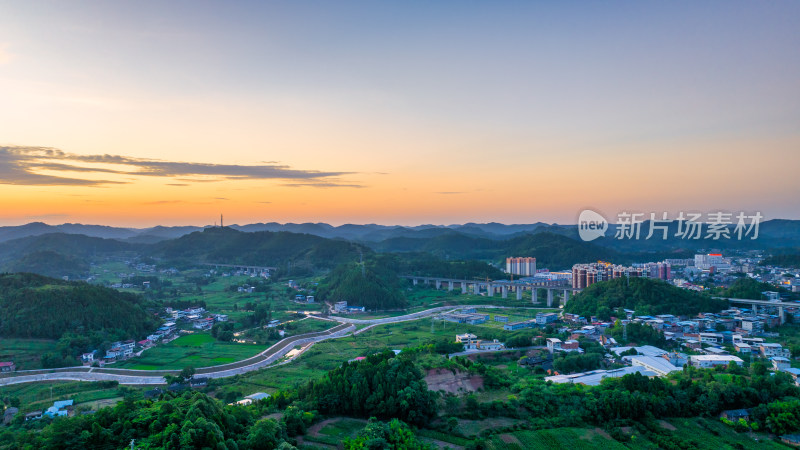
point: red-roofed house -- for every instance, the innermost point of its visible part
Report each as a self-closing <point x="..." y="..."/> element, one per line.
<point x="7" y="366"/>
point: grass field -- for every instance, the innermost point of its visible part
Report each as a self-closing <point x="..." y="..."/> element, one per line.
<point x="703" y="434"/>
<point x="330" y="354"/>
<point x="35" y="396"/>
<point x="710" y="434"/>
<point x="557" y="438"/>
<point x="26" y="353"/>
<point x="334" y="431"/>
<point x="196" y="350"/>
<point x="426" y="296"/>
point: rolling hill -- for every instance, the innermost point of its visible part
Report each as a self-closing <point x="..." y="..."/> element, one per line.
<point x="42" y="307"/>
<point x="643" y="295"/>
<point x="262" y="248"/>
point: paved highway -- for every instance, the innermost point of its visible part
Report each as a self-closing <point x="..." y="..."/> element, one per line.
<point x="130" y="376"/>
<point x="421" y="314"/>
<point x="263" y="359"/>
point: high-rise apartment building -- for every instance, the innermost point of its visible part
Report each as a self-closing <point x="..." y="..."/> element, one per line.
<point x="525" y="266"/>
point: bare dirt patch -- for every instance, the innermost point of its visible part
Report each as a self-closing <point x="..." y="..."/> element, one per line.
<point x="603" y="433"/>
<point x="510" y="439"/>
<point x="667" y="425"/>
<point x="453" y="383"/>
<point x="440" y="444"/>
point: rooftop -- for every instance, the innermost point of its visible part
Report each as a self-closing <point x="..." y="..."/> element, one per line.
<point x="594" y="377"/>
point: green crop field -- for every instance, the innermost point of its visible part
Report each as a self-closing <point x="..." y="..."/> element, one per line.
<point x="557" y="438"/>
<point x="337" y="430"/>
<point x="702" y="434"/>
<point x="25" y="353"/>
<point x="34" y="396"/>
<point x="196" y="350"/>
<point x="329" y="354"/>
<point x="710" y="434"/>
<point x="425" y="296"/>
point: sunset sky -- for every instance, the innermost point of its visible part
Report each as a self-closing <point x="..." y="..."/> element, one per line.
<point x="147" y="113"/>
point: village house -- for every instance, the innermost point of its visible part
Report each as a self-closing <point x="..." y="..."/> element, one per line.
<point x="735" y="414"/>
<point x="471" y="342"/>
<point x="520" y="325"/>
<point x="769" y="350"/>
<point x="464" y="338"/>
<point x="59" y="409"/>
<point x="203" y="324"/>
<point x="780" y="363"/>
<point x="706" y="361"/>
<point x="556" y="345"/>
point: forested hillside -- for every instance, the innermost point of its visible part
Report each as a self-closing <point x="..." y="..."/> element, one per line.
<point x="76" y="245"/>
<point x="422" y="264"/>
<point x="57" y="254"/>
<point x="263" y="248"/>
<point x="37" y="306"/>
<point x="556" y="251"/>
<point x="783" y="260"/>
<point x="645" y="296"/>
<point x="372" y="286"/>
<point x="748" y="288"/>
<point x="382" y="386"/>
<point x="551" y="250"/>
<point x="49" y="263"/>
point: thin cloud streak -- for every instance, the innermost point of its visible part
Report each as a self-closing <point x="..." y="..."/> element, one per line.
<point x="21" y="165"/>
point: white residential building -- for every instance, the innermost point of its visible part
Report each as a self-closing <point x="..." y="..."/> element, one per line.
<point x="769" y="350"/>
<point x="705" y="361"/>
<point x="658" y="365"/>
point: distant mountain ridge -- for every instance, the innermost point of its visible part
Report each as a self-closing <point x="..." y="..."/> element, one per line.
<point x="357" y="232"/>
<point x="773" y="234"/>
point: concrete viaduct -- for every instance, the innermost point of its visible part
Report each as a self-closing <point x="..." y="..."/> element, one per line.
<point x="502" y="286"/>
<point x="764" y="303"/>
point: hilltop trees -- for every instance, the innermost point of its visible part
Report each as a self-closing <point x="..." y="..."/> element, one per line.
<point x="370" y="285"/>
<point x="37" y="306"/>
<point x="645" y="296"/>
<point x="748" y="288"/>
<point x="382" y="385"/>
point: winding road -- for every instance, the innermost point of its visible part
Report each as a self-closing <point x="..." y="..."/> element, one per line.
<point x="132" y="376"/>
<point x="261" y="360"/>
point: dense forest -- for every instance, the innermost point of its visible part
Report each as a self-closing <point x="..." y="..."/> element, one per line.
<point x="552" y="250"/>
<point x="425" y="265"/>
<point x="382" y="385"/>
<point x="555" y="251"/>
<point x="783" y="260"/>
<point x="748" y="288"/>
<point x="49" y="263"/>
<point x="290" y="252"/>
<point x="37" y="306"/>
<point x="57" y="254"/>
<point x="643" y="295"/>
<point x="369" y="284"/>
<point x="389" y="386"/>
